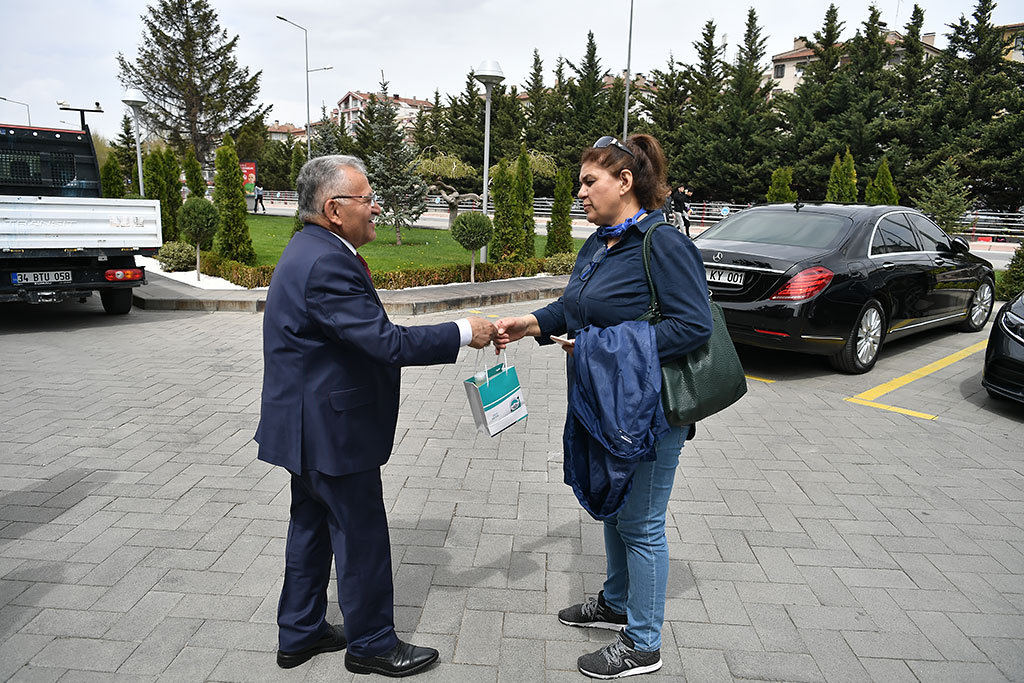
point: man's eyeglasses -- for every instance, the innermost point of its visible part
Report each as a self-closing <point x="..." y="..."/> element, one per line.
<point x="609" y="141"/>
<point x="373" y="197"/>
<point x="589" y="269"/>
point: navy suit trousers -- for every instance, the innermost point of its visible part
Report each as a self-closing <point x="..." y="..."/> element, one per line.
<point x="341" y="517"/>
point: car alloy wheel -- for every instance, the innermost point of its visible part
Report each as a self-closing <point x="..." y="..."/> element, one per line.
<point x="869" y="335"/>
<point x="860" y="351"/>
<point x="980" y="309"/>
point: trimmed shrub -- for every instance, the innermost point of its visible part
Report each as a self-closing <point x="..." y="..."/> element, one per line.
<point x="176" y="257"/>
<point x="472" y="230"/>
<point x="507" y="245"/>
<point x="880" y="189"/>
<point x="560" y="264"/>
<point x="780" y="189"/>
<point x="1012" y="282"/>
<point x="198" y="221"/>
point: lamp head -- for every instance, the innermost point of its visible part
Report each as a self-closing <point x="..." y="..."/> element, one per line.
<point x="134" y="98"/>
<point x="489" y="72"/>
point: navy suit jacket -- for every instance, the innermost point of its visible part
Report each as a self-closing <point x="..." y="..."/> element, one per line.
<point x="332" y="361"/>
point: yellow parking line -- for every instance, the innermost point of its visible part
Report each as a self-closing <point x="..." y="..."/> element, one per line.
<point x="867" y="398"/>
<point x="892" y="385"/>
<point x="760" y="379"/>
<point x="903" y="411"/>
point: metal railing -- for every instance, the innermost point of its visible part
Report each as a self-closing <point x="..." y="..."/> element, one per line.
<point x="982" y="226"/>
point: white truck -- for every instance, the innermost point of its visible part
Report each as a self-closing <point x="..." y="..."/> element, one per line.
<point x="58" y="238"/>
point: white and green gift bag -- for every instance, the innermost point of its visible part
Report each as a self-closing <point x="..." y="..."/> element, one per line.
<point x="496" y="398"/>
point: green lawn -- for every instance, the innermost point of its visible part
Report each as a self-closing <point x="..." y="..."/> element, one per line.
<point x="420" y="247"/>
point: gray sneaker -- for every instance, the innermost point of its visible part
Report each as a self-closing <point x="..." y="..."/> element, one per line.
<point x="617" y="659"/>
<point x="594" y="613"/>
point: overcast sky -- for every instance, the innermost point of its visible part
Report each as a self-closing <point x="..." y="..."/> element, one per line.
<point x="66" y="50"/>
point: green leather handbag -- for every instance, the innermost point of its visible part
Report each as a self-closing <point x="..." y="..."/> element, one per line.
<point x="704" y="381"/>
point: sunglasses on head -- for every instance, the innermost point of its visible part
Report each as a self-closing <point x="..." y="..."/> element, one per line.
<point x="609" y="141"/>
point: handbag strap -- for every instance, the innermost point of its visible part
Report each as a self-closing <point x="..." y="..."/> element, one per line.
<point x="654" y="307"/>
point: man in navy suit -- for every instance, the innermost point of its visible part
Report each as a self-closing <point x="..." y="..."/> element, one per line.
<point x="332" y="367"/>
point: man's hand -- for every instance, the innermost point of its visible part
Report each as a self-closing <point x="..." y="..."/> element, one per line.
<point x="483" y="332"/>
<point x="514" y="329"/>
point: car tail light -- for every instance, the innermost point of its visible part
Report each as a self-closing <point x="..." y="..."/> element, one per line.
<point x="772" y="332"/>
<point x="804" y="284"/>
<point x="123" y="274"/>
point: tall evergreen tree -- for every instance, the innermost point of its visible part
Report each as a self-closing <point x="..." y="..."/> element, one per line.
<point x="123" y="147"/>
<point x="536" y="120"/>
<point x="780" y="190"/>
<point x="465" y="135"/>
<point x="663" y="105"/>
<point x="111" y="178"/>
<point x="880" y="189"/>
<point x="253" y="137"/>
<point x="981" y="118"/>
<point x="170" y="197"/>
<point x="560" y="143"/>
<point x="588" y="100"/>
<point x="194" y="180"/>
<point x="507" y="242"/>
<point x="945" y="196"/>
<point x="186" y="68"/>
<point x="277" y="164"/>
<point x="913" y="136"/>
<point x="391" y="169"/>
<point x="329" y="137"/>
<point x="233" y="239"/>
<point x="560" y="225"/>
<point x="524" y="189"/>
<point x="807" y="114"/>
<point x="298" y="160"/>
<point x="742" y="135"/>
<point x="706" y="82"/>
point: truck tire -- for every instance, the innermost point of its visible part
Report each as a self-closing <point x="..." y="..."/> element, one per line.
<point x="116" y="301"/>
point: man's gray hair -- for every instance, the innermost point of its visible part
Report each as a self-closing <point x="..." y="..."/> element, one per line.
<point x="320" y="179"/>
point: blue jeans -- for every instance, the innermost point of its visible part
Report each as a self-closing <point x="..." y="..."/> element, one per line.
<point x="637" y="549"/>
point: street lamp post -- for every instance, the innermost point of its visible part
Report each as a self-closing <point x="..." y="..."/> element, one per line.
<point x="629" y="53"/>
<point x="27" y="110"/>
<point x="490" y="74"/>
<point x="136" y="100"/>
<point x="305" y="38"/>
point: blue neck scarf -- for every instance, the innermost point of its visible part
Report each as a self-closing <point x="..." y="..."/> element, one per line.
<point x="605" y="232"/>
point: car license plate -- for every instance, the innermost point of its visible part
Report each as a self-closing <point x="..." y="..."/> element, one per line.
<point x="720" y="276"/>
<point x="41" y="278"/>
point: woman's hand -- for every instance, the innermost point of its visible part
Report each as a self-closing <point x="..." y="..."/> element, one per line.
<point x="514" y="329"/>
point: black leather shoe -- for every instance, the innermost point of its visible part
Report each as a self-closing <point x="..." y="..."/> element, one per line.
<point x="333" y="641"/>
<point x="403" y="659"/>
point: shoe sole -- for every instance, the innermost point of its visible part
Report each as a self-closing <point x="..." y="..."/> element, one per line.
<point x="628" y="672"/>
<point x="293" y="659"/>
<point x="366" y="669"/>
<point x="594" y="624"/>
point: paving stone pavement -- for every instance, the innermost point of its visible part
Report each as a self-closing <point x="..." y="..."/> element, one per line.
<point x="811" y="539"/>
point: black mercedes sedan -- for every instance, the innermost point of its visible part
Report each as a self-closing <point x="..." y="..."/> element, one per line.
<point x="840" y="280"/>
<point x="1004" y="357"/>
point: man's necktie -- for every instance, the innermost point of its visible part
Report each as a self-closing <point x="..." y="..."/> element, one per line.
<point x="366" y="266"/>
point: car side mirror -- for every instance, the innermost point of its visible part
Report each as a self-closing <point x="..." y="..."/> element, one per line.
<point x="960" y="245"/>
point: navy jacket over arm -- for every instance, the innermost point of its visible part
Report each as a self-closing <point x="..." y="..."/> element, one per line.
<point x="615" y="414"/>
<point x="332" y="361"/>
<point x="617" y="290"/>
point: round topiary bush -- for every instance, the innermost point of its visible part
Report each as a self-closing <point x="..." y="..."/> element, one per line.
<point x="560" y="264"/>
<point x="472" y="230"/>
<point x="198" y="221"/>
<point x="177" y="256"/>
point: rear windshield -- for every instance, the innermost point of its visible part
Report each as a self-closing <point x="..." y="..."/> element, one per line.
<point x="789" y="228"/>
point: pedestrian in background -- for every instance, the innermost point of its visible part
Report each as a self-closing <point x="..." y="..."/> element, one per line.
<point x="258" y="199"/>
<point x="681" y="207"/>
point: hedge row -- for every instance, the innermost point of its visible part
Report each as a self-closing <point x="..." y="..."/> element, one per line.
<point x="259" y="276"/>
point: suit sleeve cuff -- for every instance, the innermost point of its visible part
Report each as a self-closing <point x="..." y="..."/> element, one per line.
<point x="465" y="331"/>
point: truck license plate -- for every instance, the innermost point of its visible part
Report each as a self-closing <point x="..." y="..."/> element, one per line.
<point x="720" y="276"/>
<point x="41" y="278"/>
